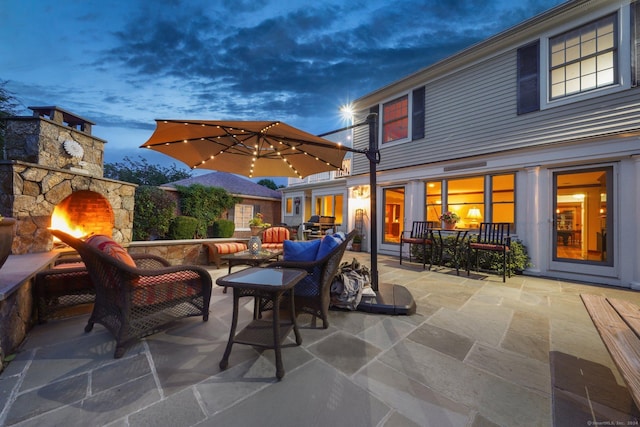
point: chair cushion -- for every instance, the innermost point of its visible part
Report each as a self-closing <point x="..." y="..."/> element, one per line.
<point x="415" y="240"/>
<point x="150" y="290"/>
<point x="489" y="247"/>
<point x="272" y="245"/>
<point x="111" y="248"/>
<point x="327" y="244"/>
<point x="275" y="235"/>
<point x="300" y="251"/>
<point x="230" y="247"/>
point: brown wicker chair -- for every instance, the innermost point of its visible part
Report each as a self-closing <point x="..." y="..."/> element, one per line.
<point x="312" y="294"/>
<point x="133" y="302"/>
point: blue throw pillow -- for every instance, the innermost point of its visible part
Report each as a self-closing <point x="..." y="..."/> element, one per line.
<point x="328" y="244"/>
<point x="300" y="251"/>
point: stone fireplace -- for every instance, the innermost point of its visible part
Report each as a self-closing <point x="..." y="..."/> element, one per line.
<point x="55" y="165"/>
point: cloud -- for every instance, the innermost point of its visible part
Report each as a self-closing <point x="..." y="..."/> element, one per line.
<point x="296" y="63"/>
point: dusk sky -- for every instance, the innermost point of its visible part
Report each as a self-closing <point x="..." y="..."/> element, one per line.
<point x="123" y="64"/>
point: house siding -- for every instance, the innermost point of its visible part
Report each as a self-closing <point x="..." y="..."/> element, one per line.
<point x="473" y="129"/>
<point x="474" y="112"/>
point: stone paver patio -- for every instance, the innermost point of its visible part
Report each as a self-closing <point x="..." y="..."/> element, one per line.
<point x="477" y="353"/>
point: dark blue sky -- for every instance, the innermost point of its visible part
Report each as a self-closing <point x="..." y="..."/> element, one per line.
<point x="124" y="63"/>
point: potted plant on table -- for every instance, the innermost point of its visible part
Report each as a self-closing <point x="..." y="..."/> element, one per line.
<point x="257" y="224"/>
<point x="449" y="220"/>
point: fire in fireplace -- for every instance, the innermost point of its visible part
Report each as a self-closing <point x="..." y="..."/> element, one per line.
<point x="83" y="212"/>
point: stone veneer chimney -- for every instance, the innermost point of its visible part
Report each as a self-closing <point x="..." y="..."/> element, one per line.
<point x="47" y="158"/>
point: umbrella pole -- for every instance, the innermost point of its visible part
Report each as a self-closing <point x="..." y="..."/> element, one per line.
<point x="389" y="298"/>
<point x="373" y="154"/>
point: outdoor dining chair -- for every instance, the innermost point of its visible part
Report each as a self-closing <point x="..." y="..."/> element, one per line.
<point x="422" y="236"/>
<point x="492" y="237"/>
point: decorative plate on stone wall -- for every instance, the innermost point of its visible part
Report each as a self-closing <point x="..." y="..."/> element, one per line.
<point x="73" y="148"/>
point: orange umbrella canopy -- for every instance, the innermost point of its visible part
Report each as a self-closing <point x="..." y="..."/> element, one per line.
<point x="250" y="148"/>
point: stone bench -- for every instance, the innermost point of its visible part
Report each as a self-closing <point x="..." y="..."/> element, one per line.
<point x="618" y="323"/>
<point x="217" y="250"/>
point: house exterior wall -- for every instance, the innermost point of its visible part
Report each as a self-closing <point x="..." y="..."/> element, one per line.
<point x="472" y="128"/>
<point x="472" y="110"/>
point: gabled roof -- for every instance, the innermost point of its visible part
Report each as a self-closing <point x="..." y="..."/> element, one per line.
<point x="234" y="184"/>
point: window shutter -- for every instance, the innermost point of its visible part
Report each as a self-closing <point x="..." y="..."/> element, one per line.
<point x="635" y="43"/>
<point x="417" y="115"/>
<point x="529" y="78"/>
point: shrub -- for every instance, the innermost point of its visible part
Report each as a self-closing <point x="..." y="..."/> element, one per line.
<point x="489" y="261"/>
<point x="182" y="227"/>
<point x="153" y="211"/>
<point x="222" y="228"/>
<point x="205" y="204"/>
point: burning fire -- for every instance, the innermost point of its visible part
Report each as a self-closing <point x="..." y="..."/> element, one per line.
<point x="60" y="220"/>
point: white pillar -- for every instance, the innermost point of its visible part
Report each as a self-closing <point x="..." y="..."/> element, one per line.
<point x="534" y="227"/>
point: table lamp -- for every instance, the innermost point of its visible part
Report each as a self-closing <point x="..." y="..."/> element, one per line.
<point x="474" y="216"/>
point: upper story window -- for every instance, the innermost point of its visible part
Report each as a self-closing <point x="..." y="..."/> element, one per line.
<point x="395" y="119"/>
<point x="584" y="58"/>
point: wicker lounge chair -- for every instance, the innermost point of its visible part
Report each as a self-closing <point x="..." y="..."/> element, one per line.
<point x="133" y="302"/>
<point x="312" y="294"/>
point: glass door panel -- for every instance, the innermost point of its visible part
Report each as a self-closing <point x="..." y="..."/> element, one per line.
<point x="393" y="214"/>
<point x="582" y="213"/>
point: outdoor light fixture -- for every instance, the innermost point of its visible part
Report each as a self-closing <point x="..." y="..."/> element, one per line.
<point x="474" y="215"/>
<point x="361" y="192"/>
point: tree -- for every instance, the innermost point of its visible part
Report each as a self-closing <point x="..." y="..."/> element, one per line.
<point x="153" y="211"/>
<point x="269" y="183"/>
<point x="8" y="107"/>
<point x="142" y="173"/>
<point x="204" y="203"/>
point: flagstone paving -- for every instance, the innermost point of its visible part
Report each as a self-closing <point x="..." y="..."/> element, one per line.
<point x="478" y="352"/>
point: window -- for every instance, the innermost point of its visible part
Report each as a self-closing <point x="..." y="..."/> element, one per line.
<point x="503" y="199"/>
<point x="242" y="214"/>
<point x="464" y="197"/>
<point x="434" y="200"/>
<point x="584" y="58"/>
<point x="395" y="116"/>
<point x="330" y="205"/>
<point x="288" y="206"/>
<point x="475" y="199"/>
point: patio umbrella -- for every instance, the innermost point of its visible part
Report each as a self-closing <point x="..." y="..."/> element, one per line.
<point x="250" y="148"/>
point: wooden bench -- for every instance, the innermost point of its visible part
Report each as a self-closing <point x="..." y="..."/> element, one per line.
<point x="216" y="250"/>
<point x="618" y="323"/>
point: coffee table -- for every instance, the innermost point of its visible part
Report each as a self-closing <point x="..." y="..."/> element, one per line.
<point x="263" y="283"/>
<point x="254" y="260"/>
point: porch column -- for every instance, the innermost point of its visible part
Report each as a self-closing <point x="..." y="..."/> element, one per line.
<point x="533" y="227"/>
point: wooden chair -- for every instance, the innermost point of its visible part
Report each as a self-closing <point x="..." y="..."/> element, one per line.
<point x="492" y="237"/>
<point x="133" y="302"/>
<point x="313" y="293"/>
<point x="422" y="235"/>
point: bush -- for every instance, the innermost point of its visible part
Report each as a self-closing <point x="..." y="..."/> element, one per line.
<point x="153" y="211"/>
<point x="205" y="204"/>
<point x="489" y="261"/>
<point x="222" y="228"/>
<point x="182" y="227"/>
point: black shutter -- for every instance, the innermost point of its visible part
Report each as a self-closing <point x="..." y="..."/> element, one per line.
<point x="529" y="78"/>
<point x="635" y="44"/>
<point x="417" y="115"/>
